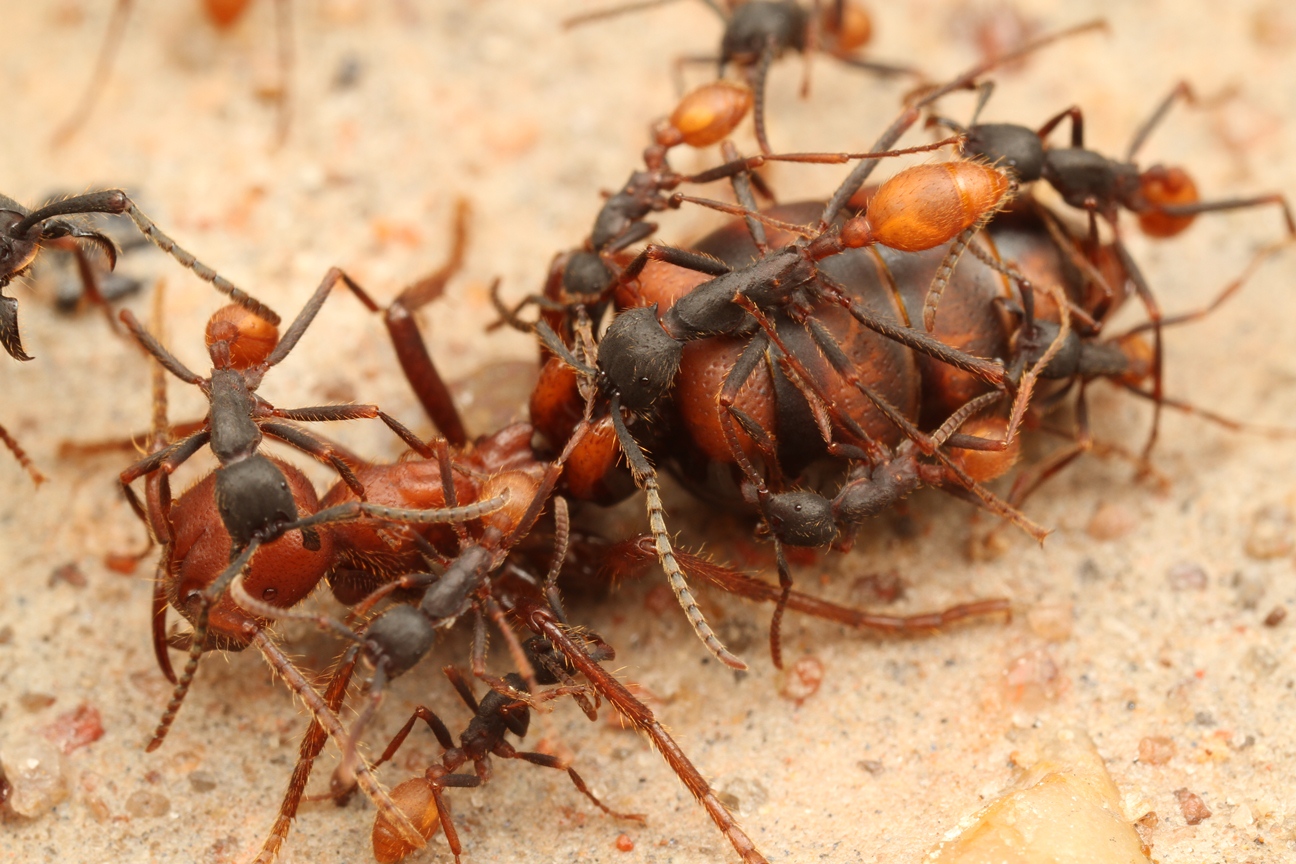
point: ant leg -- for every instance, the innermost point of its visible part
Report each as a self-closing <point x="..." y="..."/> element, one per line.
<point x="1154" y="315"/>
<point x="520" y="659"/>
<point x="685" y="258"/>
<point x="1229" y="290"/>
<point x="544" y="760"/>
<point x="989" y="371"/>
<point x="102" y="71"/>
<point x="740" y="584"/>
<point x="742" y="187"/>
<point x="639" y="715"/>
<point x="428" y="716"/>
<point x="314" y="447"/>
<point x="328" y="719"/>
<point x="356" y="412"/>
<point x="646" y="479"/>
<point x="21" y="455"/>
<point x="411" y="348"/>
<point x="117" y="202"/>
<point x="150" y="343"/>
<point x="573" y="21"/>
<point x="1029" y="481"/>
<point x="307" y="314"/>
<point x="1232" y="204"/>
<point x="562" y="538"/>
<point x="1276" y="432"/>
<point x="746" y="364"/>
<point x="352" y="511"/>
<point x="1180" y="91"/>
<point x="198" y="644"/>
<point x="956" y="248"/>
<point x="756" y="80"/>
<point x="311" y="746"/>
<point x="1076" y="116"/>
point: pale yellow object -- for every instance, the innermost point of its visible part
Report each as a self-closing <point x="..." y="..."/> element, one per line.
<point x="1064" y="808"/>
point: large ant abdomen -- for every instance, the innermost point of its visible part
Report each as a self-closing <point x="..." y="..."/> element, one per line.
<point x="282" y="572"/>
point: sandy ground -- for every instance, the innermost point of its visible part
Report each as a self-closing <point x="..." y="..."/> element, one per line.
<point x="1156" y="632"/>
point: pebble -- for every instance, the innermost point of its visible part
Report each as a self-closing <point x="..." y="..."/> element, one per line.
<point x="1156" y="750"/>
<point x="37" y="776"/>
<point x="143" y="804"/>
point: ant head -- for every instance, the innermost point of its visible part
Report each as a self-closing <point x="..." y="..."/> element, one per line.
<point x="249" y="336"/>
<point x="282" y="572"/>
<point x="1009" y="146"/>
<point x="757" y="24"/>
<point x="801" y="518"/>
<point x="706" y="116"/>
<point x="638" y="358"/>
<point x="585" y="275"/>
<point x="1160" y="186"/>
<point x="846" y="26"/>
<point x="17" y="248"/>
<point x="398" y="639"/>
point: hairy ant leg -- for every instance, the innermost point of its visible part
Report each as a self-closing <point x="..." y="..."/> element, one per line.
<point x="540" y="619"/>
<point x="24" y="461"/>
<point x="312" y="745"/>
<point x="631" y="556"/>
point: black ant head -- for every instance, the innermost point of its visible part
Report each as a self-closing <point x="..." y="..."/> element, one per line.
<point x="398" y="639"/>
<point x="586" y="275"/>
<point x="17" y="248"/>
<point x="638" y="358"/>
<point x="801" y="518"/>
<point x="252" y="496"/>
<point x="1007" y="145"/>
<point x="759" y="23"/>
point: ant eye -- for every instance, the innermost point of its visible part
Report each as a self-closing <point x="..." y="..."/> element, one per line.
<point x="269" y="594"/>
<point x="192" y="595"/>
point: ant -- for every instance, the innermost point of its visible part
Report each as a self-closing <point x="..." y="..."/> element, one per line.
<point x="223" y="16"/>
<point x="758" y="32"/>
<point x="1165" y="199"/>
<point x="282" y="563"/>
<point x="422" y="798"/>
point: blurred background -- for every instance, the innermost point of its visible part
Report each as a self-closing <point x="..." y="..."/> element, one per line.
<point x="1141" y="617"/>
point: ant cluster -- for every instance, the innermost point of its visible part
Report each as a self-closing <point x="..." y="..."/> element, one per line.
<point x="810" y="364"/>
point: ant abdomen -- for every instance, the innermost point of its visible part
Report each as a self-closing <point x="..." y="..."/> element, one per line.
<point x="927" y="205"/>
<point x="414" y="798"/>
<point x="282" y="572"/>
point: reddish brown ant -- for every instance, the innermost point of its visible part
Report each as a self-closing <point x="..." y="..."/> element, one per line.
<point x="1165" y="200"/>
<point x="758" y="32"/>
<point x="223" y="16"/>
<point x="421" y="798"/>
